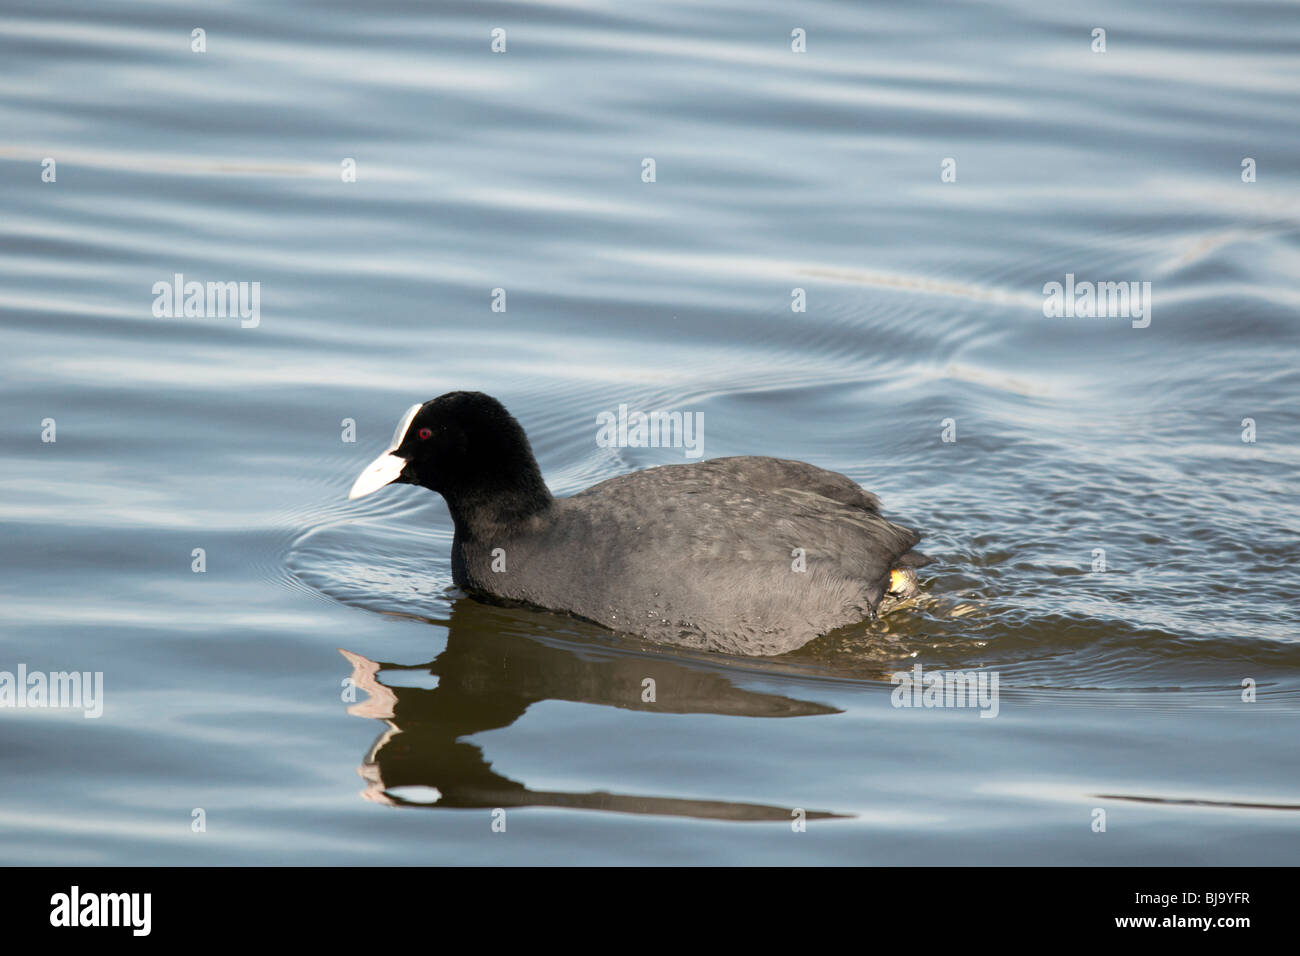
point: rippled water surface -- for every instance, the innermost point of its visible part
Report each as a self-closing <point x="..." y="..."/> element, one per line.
<point x="321" y="691"/>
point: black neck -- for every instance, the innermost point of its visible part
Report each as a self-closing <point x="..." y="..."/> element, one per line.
<point x="483" y="509"/>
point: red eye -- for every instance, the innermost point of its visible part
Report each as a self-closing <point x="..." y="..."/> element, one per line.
<point x="425" y="433"/>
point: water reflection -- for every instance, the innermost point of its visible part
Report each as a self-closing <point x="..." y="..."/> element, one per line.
<point x="493" y="669"/>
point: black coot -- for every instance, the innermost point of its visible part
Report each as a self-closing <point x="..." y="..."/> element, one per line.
<point x="746" y="555"/>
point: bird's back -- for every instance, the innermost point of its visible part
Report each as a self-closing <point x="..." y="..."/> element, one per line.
<point x="743" y="555"/>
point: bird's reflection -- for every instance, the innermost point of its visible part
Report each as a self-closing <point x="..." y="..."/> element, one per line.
<point x="494" y="667"/>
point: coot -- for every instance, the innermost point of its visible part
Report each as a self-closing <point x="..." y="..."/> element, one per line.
<point x="754" y="556"/>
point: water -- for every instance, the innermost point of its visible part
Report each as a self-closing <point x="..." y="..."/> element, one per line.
<point x="225" y="690"/>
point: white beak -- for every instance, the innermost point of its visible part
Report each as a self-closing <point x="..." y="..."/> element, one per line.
<point x="382" y="471"/>
<point x="387" y="468"/>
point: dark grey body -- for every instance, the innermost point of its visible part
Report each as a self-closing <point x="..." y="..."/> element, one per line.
<point x="699" y="555"/>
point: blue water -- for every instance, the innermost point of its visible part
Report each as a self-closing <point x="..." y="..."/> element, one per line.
<point x="225" y="691"/>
